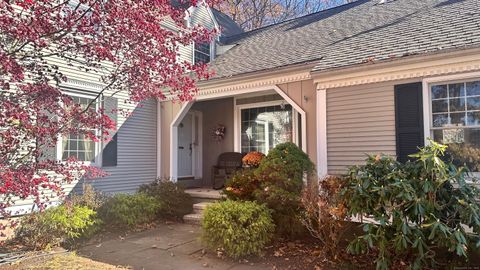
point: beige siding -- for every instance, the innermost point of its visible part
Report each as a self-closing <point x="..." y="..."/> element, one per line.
<point x="304" y="95"/>
<point x="215" y="112"/>
<point x="360" y="121"/>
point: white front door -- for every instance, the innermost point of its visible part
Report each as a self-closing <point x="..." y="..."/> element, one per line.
<point x="186" y="146"/>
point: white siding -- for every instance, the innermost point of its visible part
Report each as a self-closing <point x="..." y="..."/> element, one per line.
<point x="136" y="152"/>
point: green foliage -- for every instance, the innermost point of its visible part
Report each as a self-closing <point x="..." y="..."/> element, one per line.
<point x="242" y="185"/>
<point x="286" y="164"/>
<point x="465" y="154"/>
<point x="54" y="226"/>
<point x="90" y="198"/>
<point x="281" y="175"/>
<point x="278" y="183"/>
<point x="171" y="196"/>
<point x="238" y="228"/>
<point x="419" y="207"/>
<point x="126" y="211"/>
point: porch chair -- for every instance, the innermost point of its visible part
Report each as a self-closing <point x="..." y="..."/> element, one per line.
<point x="227" y="164"/>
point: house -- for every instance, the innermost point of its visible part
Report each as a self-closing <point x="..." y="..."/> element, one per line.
<point x="365" y="77"/>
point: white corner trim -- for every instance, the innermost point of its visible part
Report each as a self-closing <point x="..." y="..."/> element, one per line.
<point x="322" y="151"/>
<point x="159" y="139"/>
<point x="426" y="82"/>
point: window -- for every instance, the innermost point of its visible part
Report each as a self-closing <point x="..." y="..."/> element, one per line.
<point x="202" y="53"/>
<point x="262" y="128"/>
<point x="78" y="145"/>
<point x="455" y="111"/>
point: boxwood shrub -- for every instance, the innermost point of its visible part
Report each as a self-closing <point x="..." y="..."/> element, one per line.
<point x="238" y="228"/>
<point x="126" y="211"/>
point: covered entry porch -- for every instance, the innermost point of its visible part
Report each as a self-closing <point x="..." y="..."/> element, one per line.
<point x="240" y="122"/>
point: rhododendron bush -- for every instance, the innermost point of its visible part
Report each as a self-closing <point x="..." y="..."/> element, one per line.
<point x="122" y="42"/>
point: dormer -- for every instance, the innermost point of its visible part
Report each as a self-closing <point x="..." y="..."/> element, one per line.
<point x="210" y="18"/>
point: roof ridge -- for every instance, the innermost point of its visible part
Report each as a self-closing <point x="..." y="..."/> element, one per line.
<point x="292" y="19"/>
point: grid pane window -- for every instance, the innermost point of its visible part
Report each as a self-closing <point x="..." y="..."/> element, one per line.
<point x="202" y="52"/>
<point x="264" y="127"/>
<point x="456" y="120"/>
<point x="78" y="145"/>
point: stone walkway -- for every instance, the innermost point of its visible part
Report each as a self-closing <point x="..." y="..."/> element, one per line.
<point x="174" y="246"/>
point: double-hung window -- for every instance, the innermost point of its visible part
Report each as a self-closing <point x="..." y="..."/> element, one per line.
<point x="78" y="145"/>
<point x="455" y="120"/>
<point x="202" y="52"/>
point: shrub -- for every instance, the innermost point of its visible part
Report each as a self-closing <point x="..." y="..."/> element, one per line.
<point x="171" y="196"/>
<point x="281" y="177"/>
<point x="90" y="197"/>
<point x="464" y="154"/>
<point x="324" y="212"/>
<point x="419" y="207"/>
<point x="242" y="185"/>
<point x="238" y="228"/>
<point x="126" y="211"/>
<point x="54" y="226"/>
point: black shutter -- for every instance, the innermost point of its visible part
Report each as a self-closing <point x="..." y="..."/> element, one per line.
<point x="109" y="154"/>
<point x="409" y="119"/>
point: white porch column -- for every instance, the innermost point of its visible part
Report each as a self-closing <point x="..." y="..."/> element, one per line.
<point x="159" y="139"/>
<point x="322" y="166"/>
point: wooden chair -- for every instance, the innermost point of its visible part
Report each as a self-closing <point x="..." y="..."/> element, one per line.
<point x="227" y="164"/>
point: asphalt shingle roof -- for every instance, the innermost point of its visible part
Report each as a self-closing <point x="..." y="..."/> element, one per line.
<point x="355" y="33"/>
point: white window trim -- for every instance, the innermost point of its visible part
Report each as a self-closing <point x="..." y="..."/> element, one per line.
<point x="427" y="104"/>
<point x="212" y="52"/>
<point x="238" y="119"/>
<point x="98" y="145"/>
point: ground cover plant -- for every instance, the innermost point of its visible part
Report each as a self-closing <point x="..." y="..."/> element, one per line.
<point x="420" y="208"/>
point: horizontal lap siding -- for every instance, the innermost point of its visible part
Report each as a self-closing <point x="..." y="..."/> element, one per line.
<point x="137" y="152"/>
<point x="360" y="121"/>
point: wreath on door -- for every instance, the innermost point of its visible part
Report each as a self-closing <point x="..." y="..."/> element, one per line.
<point x="218" y="133"/>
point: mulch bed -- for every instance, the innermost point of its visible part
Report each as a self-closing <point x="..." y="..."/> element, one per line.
<point x="308" y="254"/>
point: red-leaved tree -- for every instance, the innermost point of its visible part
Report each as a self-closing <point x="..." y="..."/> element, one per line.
<point x="124" y="41"/>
